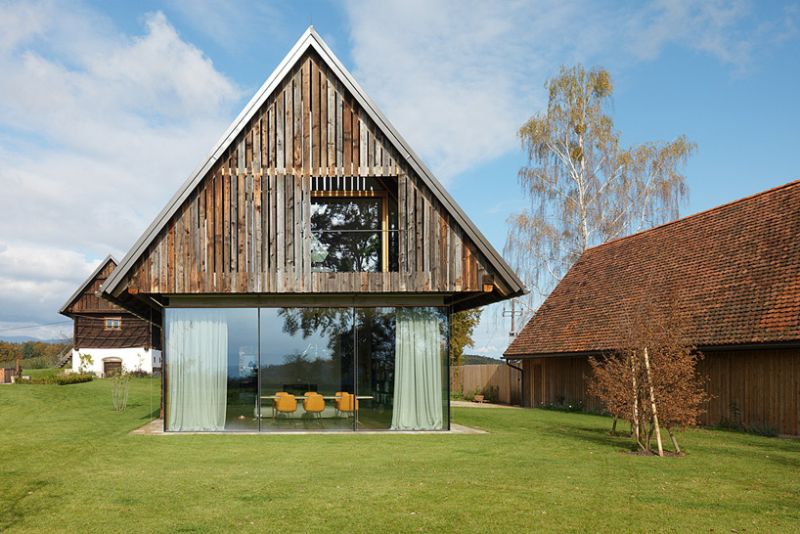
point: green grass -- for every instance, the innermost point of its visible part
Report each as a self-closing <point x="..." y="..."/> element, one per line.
<point x="69" y="464"/>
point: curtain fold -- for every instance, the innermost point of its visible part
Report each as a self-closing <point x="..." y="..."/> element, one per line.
<point x="197" y="366"/>
<point x="418" y="371"/>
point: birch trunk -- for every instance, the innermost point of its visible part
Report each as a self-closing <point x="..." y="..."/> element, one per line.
<point x="653" y="403"/>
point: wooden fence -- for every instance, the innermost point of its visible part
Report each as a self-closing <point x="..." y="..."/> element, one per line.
<point x="508" y="381"/>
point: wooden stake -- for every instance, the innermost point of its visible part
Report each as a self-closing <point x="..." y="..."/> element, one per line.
<point x="636" y="429"/>
<point x="653" y="403"/>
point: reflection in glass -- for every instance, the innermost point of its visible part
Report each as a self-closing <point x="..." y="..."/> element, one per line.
<point x="346" y="234"/>
<point x="376" y="353"/>
<point x="212" y="369"/>
<point x="303" y="351"/>
<point x="313" y="368"/>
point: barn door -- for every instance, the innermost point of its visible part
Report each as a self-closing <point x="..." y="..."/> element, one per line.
<point x="112" y="367"/>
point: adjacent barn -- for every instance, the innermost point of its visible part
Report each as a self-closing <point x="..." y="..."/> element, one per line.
<point x="113" y="338"/>
<point x="304" y="276"/>
<point x="733" y="272"/>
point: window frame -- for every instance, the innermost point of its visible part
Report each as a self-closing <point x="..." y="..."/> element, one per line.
<point x="384" y="231"/>
<point x="108" y="328"/>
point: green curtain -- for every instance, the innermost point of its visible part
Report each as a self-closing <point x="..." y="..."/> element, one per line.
<point x="418" y="371"/>
<point x="197" y="367"/>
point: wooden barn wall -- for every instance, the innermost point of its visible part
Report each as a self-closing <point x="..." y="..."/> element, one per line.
<point x="757" y="389"/>
<point x="507" y="380"/>
<point x="558" y="381"/>
<point x="88" y="301"/>
<point x="246" y="228"/>
<point x="90" y="333"/>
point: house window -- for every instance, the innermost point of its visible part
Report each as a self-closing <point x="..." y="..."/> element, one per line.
<point x="353" y="231"/>
<point x="113" y="323"/>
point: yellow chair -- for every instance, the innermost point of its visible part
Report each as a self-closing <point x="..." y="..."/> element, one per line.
<point x="275" y="401"/>
<point x="314" y="404"/>
<point x="347" y="403"/>
<point x="285" y="403"/>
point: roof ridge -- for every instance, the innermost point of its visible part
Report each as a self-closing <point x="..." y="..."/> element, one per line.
<point x="775" y="189"/>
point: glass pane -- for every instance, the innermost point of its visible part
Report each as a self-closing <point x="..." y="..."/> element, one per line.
<point x="348" y="252"/>
<point x="402" y="362"/>
<point x="307" y="351"/>
<point x="346" y="213"/>
<point x="211" y="367"/>
<point x="376" y="353"/>
<point x="346" y="234"/>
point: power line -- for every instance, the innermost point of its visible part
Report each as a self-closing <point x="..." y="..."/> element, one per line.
<point x="32" y="326"/>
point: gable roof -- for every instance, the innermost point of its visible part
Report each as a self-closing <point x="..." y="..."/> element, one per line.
<point x="311" y="40"/>
<point x="78" y="292"/>
<point x="733" y="272"/>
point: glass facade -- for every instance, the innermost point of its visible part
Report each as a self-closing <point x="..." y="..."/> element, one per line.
<point x="283" y="369"/>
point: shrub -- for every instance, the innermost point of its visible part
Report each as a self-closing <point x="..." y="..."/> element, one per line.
<point x="119" y="392"/>
<point x="59" y="379"/>
<point x="761" y="429"/>
<point x="73" y="378"/>
<point x="563" y="406"/>
<point x="491" y="393"/>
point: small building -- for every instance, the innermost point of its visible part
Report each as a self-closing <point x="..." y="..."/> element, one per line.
<point x="7" y="375"/>
<point x="113" y="337"/>
<point x="305" y="274"/>
<point x="734" y="274"/>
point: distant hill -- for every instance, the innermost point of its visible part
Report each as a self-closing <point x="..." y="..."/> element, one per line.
<point x="474" y="359"/>
<point x="23" y="339"/>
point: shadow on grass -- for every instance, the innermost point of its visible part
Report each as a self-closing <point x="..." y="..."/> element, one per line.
<point x="594" y="435"/>
<point x="10" y="514"/>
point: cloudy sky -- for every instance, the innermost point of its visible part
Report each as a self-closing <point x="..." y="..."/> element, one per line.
<point x="106" y="107"/>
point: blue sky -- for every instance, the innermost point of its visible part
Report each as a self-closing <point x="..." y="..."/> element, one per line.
<point x="106" y="107"/>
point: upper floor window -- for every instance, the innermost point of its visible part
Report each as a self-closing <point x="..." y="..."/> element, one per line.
<point x="354" y="230"/>
<point x="113" y="323"/>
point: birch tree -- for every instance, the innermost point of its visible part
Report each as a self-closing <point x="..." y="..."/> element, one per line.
<point x="583" y="187"/>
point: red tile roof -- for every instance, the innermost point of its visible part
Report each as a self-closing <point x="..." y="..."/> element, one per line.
<point x="732" y="271"/>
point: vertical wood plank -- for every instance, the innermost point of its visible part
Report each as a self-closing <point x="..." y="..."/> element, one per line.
<point x="305" y="119"/>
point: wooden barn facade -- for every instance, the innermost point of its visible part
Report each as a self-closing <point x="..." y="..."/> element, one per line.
<point x="311" y="238"/>
<point x="113" y="337"/>
<point x="734" y="274"/>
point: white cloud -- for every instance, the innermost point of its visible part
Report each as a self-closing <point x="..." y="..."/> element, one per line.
<point x="36" y="280"/>
<point x="233" y="25"/>
<point x="458" y="77"/>
<point x="97" y="130"/>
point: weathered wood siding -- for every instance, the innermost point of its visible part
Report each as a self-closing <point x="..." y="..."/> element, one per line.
<point x="89" y="301"/>
<point x="758" y="389"/>
<point x="90" y="332"/>
<point x="246" y="227"/>
<point x="507" y="380"/>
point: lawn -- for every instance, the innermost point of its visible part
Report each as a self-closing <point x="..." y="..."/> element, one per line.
<point x="69" y="464"/>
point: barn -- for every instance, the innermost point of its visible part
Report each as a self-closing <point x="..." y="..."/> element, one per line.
<point x="734" y="272"/>
<point x="113" y="337"/>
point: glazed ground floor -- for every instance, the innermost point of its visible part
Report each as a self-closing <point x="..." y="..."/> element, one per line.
<point x="757" y="389"/>
<point x="306" y="368"/>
